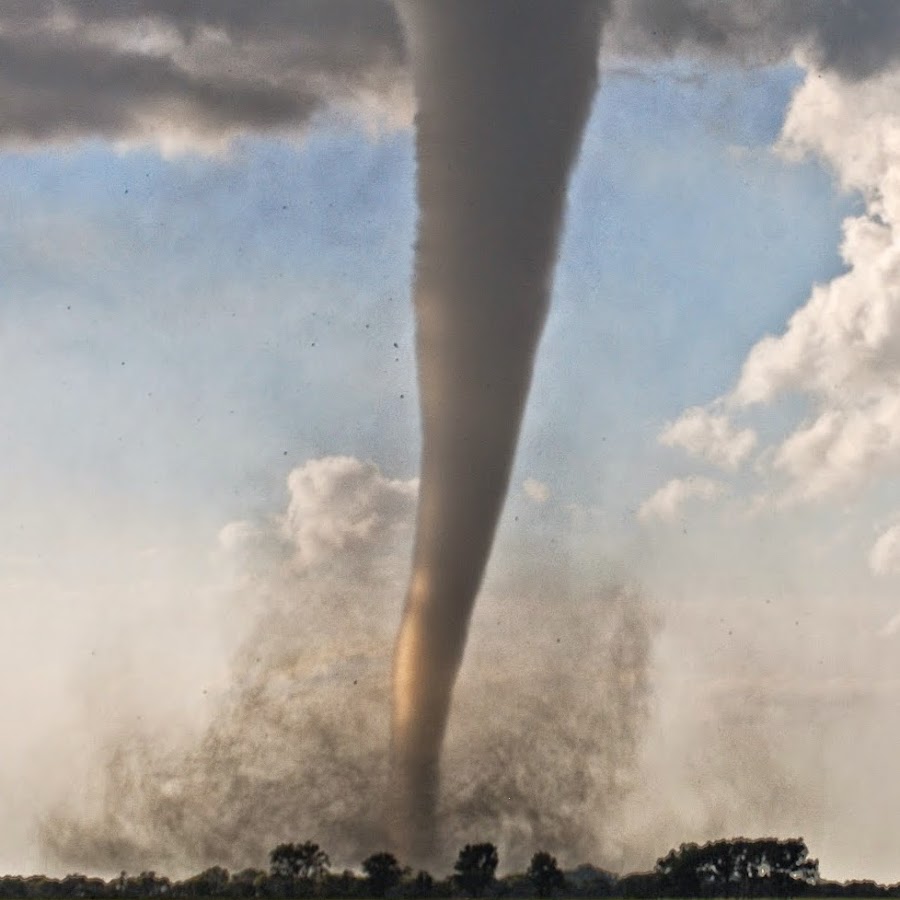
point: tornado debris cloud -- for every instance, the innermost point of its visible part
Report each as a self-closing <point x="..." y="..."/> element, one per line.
<point x="503" y="90"/>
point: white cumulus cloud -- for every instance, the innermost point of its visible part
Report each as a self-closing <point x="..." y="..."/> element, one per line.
<point x="342" y="512"/>
<point x="709" y="436"/>
<point x="668" y="501"/>
<point x="535" y="490"/>
<point x="841" y="349"/>
<point x="884" y="558"/>
<point x="841" y="448"/>
<point x="339" y="504"/>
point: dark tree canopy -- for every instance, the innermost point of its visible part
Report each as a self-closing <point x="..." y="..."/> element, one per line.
<point x="208" y="883"/>
<point x="475" y="867"/>
<point x="545" y="874"/>
<point x="422" y="885"/>
<point x="383" y="873"/>
<point x="739" y="866"/>
<point x="306" y="861"/>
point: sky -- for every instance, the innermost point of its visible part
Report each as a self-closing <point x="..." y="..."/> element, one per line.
<point x="210" y="443"/>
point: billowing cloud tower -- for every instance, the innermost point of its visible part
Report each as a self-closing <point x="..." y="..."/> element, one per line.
<point x="504" y="89"/>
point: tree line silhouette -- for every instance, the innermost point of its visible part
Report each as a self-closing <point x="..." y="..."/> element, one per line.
<point x="764" y="867"/>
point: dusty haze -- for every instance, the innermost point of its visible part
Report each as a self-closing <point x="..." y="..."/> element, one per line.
<point x="298" y="740"/>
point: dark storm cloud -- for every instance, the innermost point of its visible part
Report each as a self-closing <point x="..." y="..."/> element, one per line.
<point x="76" y="69"/>
<point x="142" y="70"/>
<point x="53" y="89"/>
<point x="857" y="38"/>
<point x="366" y="26"/>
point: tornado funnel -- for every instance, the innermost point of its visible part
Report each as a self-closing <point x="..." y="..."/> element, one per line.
<point x="504" y="89"/>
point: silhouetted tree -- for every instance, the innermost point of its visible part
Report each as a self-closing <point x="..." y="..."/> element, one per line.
<point x="866" y="888"/>
<point x="513" y="884"/>
<point x="149" y="884"/>
<point x="639" y="886"/>
<point x="342" y="885"/>
<point x="75" y="886"/>
<point x="42" y="886"/>
<point x="246" y="883"/>
<point x="545" y="874"/>
<point x="212" y="882"/>
<point x="383" y="873"/>
<point x="475" y="867"/>
<point x="420" y="886"/>
<point x="13" y="886"/>
<point x="739" y="866"/>
<point x="306" y="860"/>
<point x="590" y="881"/>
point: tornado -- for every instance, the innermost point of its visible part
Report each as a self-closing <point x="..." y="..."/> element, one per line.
<point x="503" y="92"/>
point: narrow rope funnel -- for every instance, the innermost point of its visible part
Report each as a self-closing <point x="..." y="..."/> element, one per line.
<point x="504" y="89"/>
